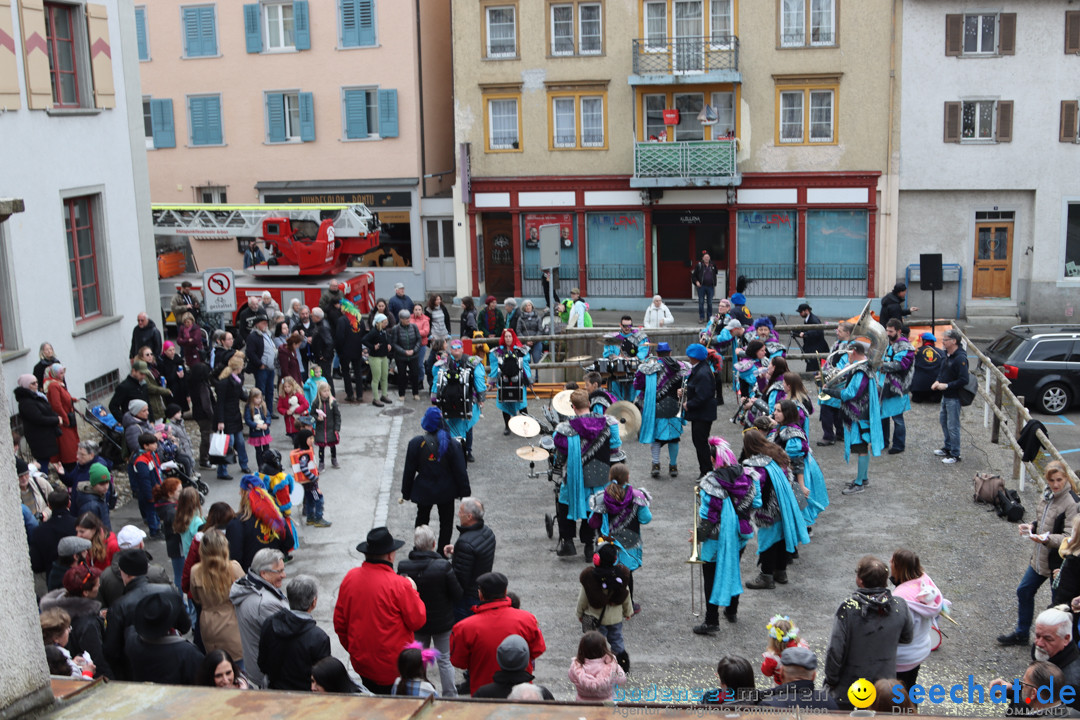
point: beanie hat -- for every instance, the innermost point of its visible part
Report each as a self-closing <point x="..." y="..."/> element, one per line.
<point x="98" y="474"/>
<point x="21" y="468"/>
<point x="136" y="406"/>
<point x="170" y="410"/>
<point x="738" y="299"/>
<point x="432" y="420"/>
<point x="379" y="317"/>
<point x="489" y="299"/>
<point x="25" y="380"/>
<point x="513" y="654"/>
<point x="133" y="562"/>
<point x="697" y="351"/>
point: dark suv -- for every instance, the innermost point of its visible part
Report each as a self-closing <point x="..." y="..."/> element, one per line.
<point x="1043" y="364"/>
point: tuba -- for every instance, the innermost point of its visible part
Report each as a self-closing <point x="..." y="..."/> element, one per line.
<point x="868" y="326"/>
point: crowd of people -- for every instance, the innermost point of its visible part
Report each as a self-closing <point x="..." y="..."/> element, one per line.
<point x="443" y="605"/>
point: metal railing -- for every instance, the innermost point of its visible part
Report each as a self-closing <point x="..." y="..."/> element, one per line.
<point x="831" y="280"/>
<point x="685" y="55"/>
<point x="774" y="279"/>
<point x="689" y="159"/>
<point x="616" y="280"/>
<point x="531" y="287"/>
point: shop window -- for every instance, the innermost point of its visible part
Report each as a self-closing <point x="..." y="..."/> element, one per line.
<point x="765" y="251"/>
<point x="836" y="247"/>
<point x="616" y="254"/>
<point x="1072" y="241"/>
<point x="531" y="286"/>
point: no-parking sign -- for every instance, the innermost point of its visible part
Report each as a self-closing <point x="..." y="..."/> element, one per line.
<point x="219" y="290"/>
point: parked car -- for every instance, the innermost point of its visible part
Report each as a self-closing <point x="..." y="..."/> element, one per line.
<point x="1043" y="364"/>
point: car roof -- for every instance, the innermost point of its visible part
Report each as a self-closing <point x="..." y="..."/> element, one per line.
<point x="1042" y="331"/>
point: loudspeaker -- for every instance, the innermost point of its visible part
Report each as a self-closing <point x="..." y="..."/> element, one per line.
<point x="930" y="272"/>
<point x="549" y="246"/>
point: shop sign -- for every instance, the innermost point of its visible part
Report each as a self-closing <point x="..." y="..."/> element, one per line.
<point x="533" y="221"/>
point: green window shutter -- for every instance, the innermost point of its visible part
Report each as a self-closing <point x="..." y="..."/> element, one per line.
<point x="253" y="27"/>
<point x="307" y="117"/>
<point x="356" y="114"/>
<point x="301" y="26"/>
<point x="388" y="114"/>
<point x="275" y="117"/>
<point x="161" y="121"/>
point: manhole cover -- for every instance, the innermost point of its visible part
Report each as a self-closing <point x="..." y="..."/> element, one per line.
<point x="395" y="411"/>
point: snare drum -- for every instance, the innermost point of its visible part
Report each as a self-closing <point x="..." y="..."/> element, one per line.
<point x="620" y="366"/>
<point x="548" y="443"/>
<point x="603" y="366"/>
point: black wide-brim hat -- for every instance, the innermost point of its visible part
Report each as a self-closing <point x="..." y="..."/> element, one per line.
<point x="379" y="542"/>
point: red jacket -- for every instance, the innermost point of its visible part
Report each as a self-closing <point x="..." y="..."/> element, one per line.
<point x="376" y="614"/>
<point x="475" y="640"/>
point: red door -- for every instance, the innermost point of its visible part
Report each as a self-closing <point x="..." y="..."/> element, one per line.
<point x="498" y="255"/>
<point x="674" y="254"/>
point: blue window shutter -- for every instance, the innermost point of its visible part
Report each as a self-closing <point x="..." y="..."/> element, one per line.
<point x="356" y="114"/>
<point x="253" y="28"/>
<point x="275" y="117"/>
<point x="197" y="120"/>
<point x="192" y="42"/>
<point x="307" y="116"/>
<point x="301" y="28"/>
<point x="140" y="33"/>
<point x="161" y="120"/>
<point x="350" y="34"/>
<point x="388" y="123"/>
<point x="208" y="31"/>
<point x="365" y="21"/>
<point x="213" y="120"/>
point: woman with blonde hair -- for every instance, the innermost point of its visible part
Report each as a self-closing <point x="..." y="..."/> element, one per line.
<point x="229" y="416"/>
<point x="211" y="579"/>
<point x="1066" y="583"/>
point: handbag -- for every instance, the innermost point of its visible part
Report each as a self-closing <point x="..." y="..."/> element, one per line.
<point x="220" y="445"/>
<point x="590" y="623"/>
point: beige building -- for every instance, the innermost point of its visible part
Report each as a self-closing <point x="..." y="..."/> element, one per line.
<point x="655" y="130"/>
<point x="326" y="101"/>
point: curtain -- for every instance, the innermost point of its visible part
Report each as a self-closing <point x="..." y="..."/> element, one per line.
<point x="565" y="135"/>
<point x="791" y="116"/>
<point x="501" y="37"/>
<point x="656" y="25"/>
<point x="654" y="115"/>
<point x="592" y="121"/>
<point x="591" y="34"/>
<point x="821" y="22"/>
<point x="562" y="30"/>
<point x="793" y="23"/>
<point x="504" y="124"/>
<point x="689" y="106"/>
<point x="821" y="116"/>
<point x="720" y="21"/>
<point x="689" y="29"/>
<point x="724" y="102"/>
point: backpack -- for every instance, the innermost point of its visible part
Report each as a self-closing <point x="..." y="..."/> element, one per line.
<point x="986" y="488"/>
<point x="970" y="390"/>
<point x="1007" y="504"/>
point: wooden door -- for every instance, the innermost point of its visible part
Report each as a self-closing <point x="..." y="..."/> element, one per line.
<point x="498" y="255"/>
<point x="674" y="255"/>
<point x="993" y="260"/>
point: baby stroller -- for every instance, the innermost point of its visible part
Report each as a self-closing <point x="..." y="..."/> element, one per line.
<point x="180" y="466"/>
<point x="113" y="445"/>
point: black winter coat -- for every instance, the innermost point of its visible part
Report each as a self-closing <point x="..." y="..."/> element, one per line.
<point x="112" y="585"/>
<point x="149" y="336"/>
<point x="171" y="659"/>
<point x="40" y="368"/>
<point x="290" y="643"/>
<point x="230" y="393"/>
<point x="202" y="397"/>
<point x="814" y="340"/>
<point x="503" y="682"/>
<point x="122" y="616"/>
<point x="87" y="627"/>
<point x="129" y="389"/>
<point x="246" y="540"/>
<point x="892" y="307"/>
<point x="700" y="394"/>
<point x="954" y="373"/>
<point x="438" y="587"/>
<point x="380" y="338"/>
<point x="474" y="554"/>
<point x="45" y="538"/>
<point x="427" y="481"/>
<point x="322" y="345"/>
<point x="41" y="424"/>
<point x="349" y="343"/>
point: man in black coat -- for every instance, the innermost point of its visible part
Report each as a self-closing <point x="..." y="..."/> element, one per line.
<point x="813" y="341"/>
<point x="699" y="398"/>
<point x="145" y="333"/>
<point x="46" y="537"/>
<point x="435" y="474"/>
<point x="440" y="590"/>
<point x="349" y="343"/>
<point x="472" y="555"/>
<point x="291" y="642"/>
<point x="133" y="387"/>
<point x="154" y="653"/>
<point x="892" y="305"/>
<point x="797" y="670"/>
<point x="245" y="320"/>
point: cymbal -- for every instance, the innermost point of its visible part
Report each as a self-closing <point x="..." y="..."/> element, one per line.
<point x="532" y="453"/>
<point x="524" y="426"/>
<point x="579" y="358"/>
<point x="561" y="403"/>
<point x="629" y="418"/>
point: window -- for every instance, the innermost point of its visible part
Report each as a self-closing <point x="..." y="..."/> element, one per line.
<point x="1072" y="32"/>
<point x="562" y="29"/>
<point x="82" y="256"/>
<point x="576" y="29"/>
<point x="9" y="334"/>
<point x="357" y="19"/>
<point x="290" y="117"/>
<point x="590" y="29"/>
<point x="689" y="106"/>
<point x="1067" y="123"/>
<point x="654" y="116"/>
<point x="656" y="25"/>
<point x="160" y="131"/>
<point x="204" y="120"/>
<point x="279" y="28"/>
<point x="200" y="31"/>
<point x="979" y="121"/>
<point x="140" y="34"/>
<point x="211" y="194"/>
<point x="1072" y="241"/>
<point x="577" y="121"/>
<point x="148" y="122"/>
<point x="807" y="115"/>
<point x="63" y="62"/>
<point x="721" y="22"/>
<point x="100" y="389"/>
<point x="724" y="104"/>
<point x="1050" y="351"/>
<point x="503" y="122"/>
<point x="369" y="113"/>
<point x="807" y="20"/>
<point x="980" y="34"/>
<point x="501" y="32"/>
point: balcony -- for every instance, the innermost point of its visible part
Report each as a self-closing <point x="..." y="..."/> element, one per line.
<point x="706" y="163"/>
<point x="681" y="60"/>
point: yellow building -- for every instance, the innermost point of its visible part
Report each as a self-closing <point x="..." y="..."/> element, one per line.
<point x="655" y="130"/>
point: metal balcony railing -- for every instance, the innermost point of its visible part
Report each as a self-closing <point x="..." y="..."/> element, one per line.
<point x="709" y="159"/>
<point x="830" y="280"/>
<point x="686" y="55"/>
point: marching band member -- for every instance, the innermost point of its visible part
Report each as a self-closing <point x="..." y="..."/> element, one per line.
<point x="731" y="341"/>
<point x="781" y="527"/>
<point x="790" y="435"/>
<point x="599" y="398"/>
<point x="750" y="370"/>
<point x="765" y="403"/>
<point x="699" y="399"/>
<point x="618" y="514"/>
<point x="459" y="391"/>
<point x="508" y="368"/>
<point x="862" y="418"/>
<point x="726" y="498"/>
<point x="657" y="383"/>
<point x="795" y="391"/>
<point x="629" y="342"/>
<point x="763" y="328"/>
<point x="897" y="369"/>
<point x="832" y="420"/>
<point x="585" y="445"/>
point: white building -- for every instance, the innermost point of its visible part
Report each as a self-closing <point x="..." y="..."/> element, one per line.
<point x="72" y="145"/>
<point x="990" y="170"/>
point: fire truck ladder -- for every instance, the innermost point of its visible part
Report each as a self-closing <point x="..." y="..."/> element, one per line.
<point x="221" y="221"/>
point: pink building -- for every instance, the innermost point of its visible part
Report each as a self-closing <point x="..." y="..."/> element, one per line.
<point x="327" y="101"/>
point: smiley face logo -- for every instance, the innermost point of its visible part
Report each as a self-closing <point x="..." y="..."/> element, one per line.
<point x="861" y="693"/>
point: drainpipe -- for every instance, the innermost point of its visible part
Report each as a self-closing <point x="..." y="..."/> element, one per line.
<point x="891" y="225"/>
<point x="420" y="93"/>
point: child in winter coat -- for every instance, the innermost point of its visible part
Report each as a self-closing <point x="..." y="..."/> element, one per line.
<point x="594" y="671"/>
<point x="292" y="404"/>
<point x="311" y="385"/>
<point x="604" y="599"/>
<point x="412" y="675"/>
<point x="303" y="462"/>
<point x="327" y="416"/>
<point x="782" y="634"/>
<point x="257" y="418"/>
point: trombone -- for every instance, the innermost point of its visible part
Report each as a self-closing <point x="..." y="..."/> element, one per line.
<point x="695" y="559"/>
